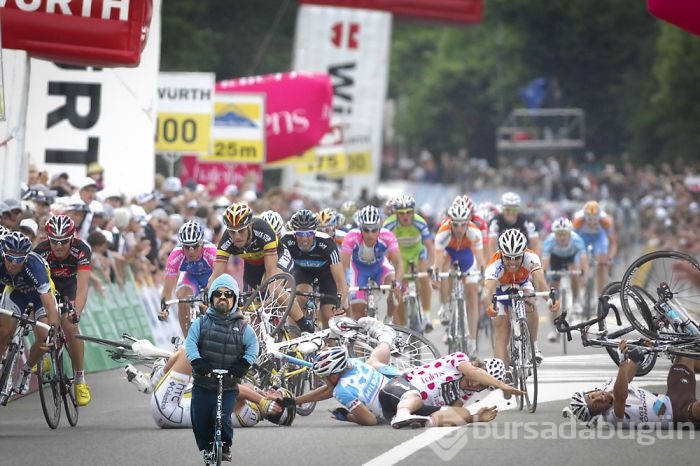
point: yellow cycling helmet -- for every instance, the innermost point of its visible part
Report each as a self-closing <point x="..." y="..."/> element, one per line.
<point x="238" y="215"/>
<point x="327" y="217"/>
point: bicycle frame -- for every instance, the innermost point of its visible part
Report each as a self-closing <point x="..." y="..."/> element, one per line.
<point x="15" y="349"/>
<point x="372" y="308"/>
<point x="411" y="299"/>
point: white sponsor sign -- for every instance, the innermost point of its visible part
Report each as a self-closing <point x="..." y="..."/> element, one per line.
<point x="81" y="115"/>
<point x="352" y="46"/>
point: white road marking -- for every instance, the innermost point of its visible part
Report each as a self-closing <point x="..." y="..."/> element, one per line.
<point x="558" y="378"/>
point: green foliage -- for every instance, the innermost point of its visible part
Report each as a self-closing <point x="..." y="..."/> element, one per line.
<point x="635" y="77"/>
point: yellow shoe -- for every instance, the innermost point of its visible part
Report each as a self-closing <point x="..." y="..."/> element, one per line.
<point x="82" y="394"/>
<point x="47" y="365"/>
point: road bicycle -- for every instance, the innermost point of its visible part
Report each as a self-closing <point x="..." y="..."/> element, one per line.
<point x="657" y="293"/>
<point x="312" y="303"/>
<point x="411" y="299"/>
<point x="522" y="347"/>
<point x="458" y="335"/>
<point x="566" y="294"/>
<point x="56" y="376"/>
<point x="13" y="355"/>
<point x="129" y="348"/>
<point x="371" y="289"/>
<point x="214" y="456"/>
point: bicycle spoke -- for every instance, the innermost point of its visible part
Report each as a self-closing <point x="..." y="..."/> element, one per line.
<point x="49" y="390"/>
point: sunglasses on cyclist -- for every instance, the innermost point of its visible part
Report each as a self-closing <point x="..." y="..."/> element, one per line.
<point x="370" y="230"/>
<point x="226" y="294"/>
<point x="240" y="230"/>
<point x="305" y="234"/>
<point x="404" y="211"/>
<point x="191" y="246"/>
<point x="459" y="224"/>
<point x="59" y="241"/>
<point x="15" y="259"/>
<point x="512" y="258"/>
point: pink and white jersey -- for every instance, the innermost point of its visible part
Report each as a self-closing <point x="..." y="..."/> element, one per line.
<point x="369" y="255"/>
<point x="177" y="263"/>
<point x="438" y="381"/>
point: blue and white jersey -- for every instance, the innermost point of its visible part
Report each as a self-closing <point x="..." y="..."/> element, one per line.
<point x="360" y="385"/>
<point x="574" y="248"/>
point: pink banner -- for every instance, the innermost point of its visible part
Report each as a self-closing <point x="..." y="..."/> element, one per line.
<point x="298" y="109"/>
<point x="683" y="13"/>
<point x="215" y="176"/>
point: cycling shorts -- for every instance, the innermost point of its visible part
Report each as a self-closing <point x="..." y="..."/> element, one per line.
<point x="359" y="275"/>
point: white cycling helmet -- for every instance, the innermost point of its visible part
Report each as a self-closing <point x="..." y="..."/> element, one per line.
<point x="495" y="368"/>
<point x="510" y="199"/>
<point x="190" y="233"/>
<point x="459" y="211"/>
<point x="369" y="215"/>
<point x="512" y="243"/>
<point x="561" y="224"/>
<point x="274" y="219"/>
<point x="330" y="361"/>
<point x="287" y="415"/>
<point x="579" y="407"/>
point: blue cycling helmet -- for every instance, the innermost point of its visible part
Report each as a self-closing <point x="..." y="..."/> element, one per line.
<point x="16" y="242"/>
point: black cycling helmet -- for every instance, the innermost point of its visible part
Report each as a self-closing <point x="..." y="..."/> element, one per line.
<point x="304" y="219"/>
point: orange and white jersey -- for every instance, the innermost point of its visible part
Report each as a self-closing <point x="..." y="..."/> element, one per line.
<point x="444" y="239"/>
<point x="604" y="223"/>
<point x="496" y="270"/>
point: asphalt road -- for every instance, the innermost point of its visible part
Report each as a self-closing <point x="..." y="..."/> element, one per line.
<point x="117" y="428"/>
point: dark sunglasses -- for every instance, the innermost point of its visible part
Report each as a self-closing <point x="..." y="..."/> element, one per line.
<point x="512" y="258"/>
<point x="15" y="259"/>
<point x="225" y="294"/>
<point x="59" y="241"/>
<point x="305" y="234"/>
<point x="370" y="230"/>
<point x="459" y="224"/>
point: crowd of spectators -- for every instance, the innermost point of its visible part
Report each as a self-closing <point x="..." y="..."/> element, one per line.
<point x="657" y="206"/>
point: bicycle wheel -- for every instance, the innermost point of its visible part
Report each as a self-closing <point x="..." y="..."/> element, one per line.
<point x="218" y="447"/>
<point x="589" y="297"/>
<point x="49" y="389"/>
<point x="412" y="349"/>
<point x="8" y="367"/>
<point x="565" y="298"/>
<point x="527" y="370"/>
<point x="66" y="377"/>
<point x="485" y="329"/>
<point x="612" y="292"/>
<point x="276" y="296"/>
<point x="641" y="285"/>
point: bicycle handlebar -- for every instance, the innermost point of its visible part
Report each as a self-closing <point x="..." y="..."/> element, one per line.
<point x="190" y="299"/>
<point x="315" y="295"/>
<point x="563" y="273"/>
<point x="523" y="294"/>
<point x="25" y="318"/>
<point x="604" y="307"/>
<point x="371" y="288"/>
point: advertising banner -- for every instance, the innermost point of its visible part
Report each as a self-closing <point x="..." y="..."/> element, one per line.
<point x="217" y="175"/>
<point x="185" y="107"/>
<point x="352" y="46"/>
<point x="80" y="115"/>
<point x="298" y="109"/>
<point x="79" y="32"/>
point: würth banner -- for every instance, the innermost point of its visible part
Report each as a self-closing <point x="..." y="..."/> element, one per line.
<point x="102" y="33"/>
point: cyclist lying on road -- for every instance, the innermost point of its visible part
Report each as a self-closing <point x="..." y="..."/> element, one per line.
<point x="172" y="391"/>
<point x="625" y="406"/>
<point x="360" y="386"/>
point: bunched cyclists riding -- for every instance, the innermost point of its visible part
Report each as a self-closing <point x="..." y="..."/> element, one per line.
<point x="511" y="217"/>
<point x="253" y="240"/>
<point x="187" y="270"/>
<point x="69" y="264"/>
<point x="316" y="257"/>
<point x="598" y="231"/>
<point x="26" y="279"/>
<point x="415" y="245"/>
